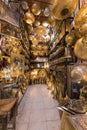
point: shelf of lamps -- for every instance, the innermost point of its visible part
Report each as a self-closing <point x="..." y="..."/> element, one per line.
<point x="27" y="61"/>
<point x="58" y="68"/>
<point x="26" y="67"/>
<point x="24" y="52"/>
<point x="58" y="51"/>
<point x="10" y="36"/>
<point x="59" y="41"/>
<point x="58" y="61"/>
<point x="61" y="60"/>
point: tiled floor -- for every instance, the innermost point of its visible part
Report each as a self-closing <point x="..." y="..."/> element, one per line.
<point x="37" y="110"/>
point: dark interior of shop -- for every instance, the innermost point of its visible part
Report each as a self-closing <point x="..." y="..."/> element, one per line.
<point x="43" y="64"/>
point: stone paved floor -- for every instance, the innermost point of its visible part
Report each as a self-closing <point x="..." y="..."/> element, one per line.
<point x="37" y="110"/>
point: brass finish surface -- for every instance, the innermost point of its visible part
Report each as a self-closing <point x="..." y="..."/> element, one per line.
<point x="79" y="74"/>
<point x="24" y="5"/>
<point x="29" y="17"/>
<point x="36" y="10"/>
<point x="63" y="10"/>
<point x="70" y="38"/>
<point x="80" y="48"/>
<point x="6" y="104"/>
<point x="80" y="21"/>
<point x="81" y="17"/>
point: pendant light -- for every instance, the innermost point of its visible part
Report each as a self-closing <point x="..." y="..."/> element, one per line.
<point x="24" y="5"/>
<point x="36" y="10"/>
<point x="29" y="17"/>
<point x="46" y="12"/>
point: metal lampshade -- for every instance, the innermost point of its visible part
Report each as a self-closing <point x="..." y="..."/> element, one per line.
<point x="80" y="21"/>
<point x="36" y="10"/>
<point x="29" y="17"/>
<point x="63" y="10"/>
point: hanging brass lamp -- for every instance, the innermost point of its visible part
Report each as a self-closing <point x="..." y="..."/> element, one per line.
<point x="63" y="9"/>
<point x="30" y="28"/>
<point x="70" y="38"/>
<point x="42" y="34"/>
<point x="45" y="23"/>
<point x="52" y="20"/>
<point x="24" y="5"/>
<point x="37" y="23"/>
<point x="80" y="21"/>
<point x="79" y="74"/>
<point x="40" y="31"/>
<point x="80" y="48"/>
<point x="47" y="11"/>
<point x="36" y="10"/>
<point x="33" y="39"/>
<point x="29" y="17"/>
